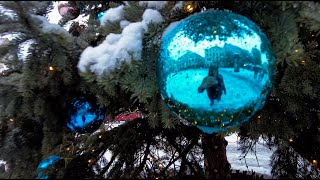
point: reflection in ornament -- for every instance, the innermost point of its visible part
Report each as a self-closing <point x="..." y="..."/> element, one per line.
<point x="84" y="116"/>
<point x="68" y="9"/>
<point x="215" y="69"/>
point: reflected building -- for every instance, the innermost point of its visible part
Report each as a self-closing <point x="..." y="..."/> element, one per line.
<point x="214" y="56"/>
<point x="189" y="60"/>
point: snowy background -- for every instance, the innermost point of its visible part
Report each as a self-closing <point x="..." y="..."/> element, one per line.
<point x="233" y="154"/>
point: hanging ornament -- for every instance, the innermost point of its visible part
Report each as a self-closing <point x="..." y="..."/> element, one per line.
<point x="68" y="9"/>
<point x="129" y="116"/>
<point x="215" y="69"/>
<point x="45" y="166"/>
<point x="100" y="15"/>
<point x="84" y="115"/>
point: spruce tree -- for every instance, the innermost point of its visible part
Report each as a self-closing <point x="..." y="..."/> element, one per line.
<point x="36" y="92"/>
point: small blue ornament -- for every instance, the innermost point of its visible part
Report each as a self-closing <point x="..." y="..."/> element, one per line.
<point x="100" y="15"/>
<point x="44" y="165"/>
<point x="84" y="115"/>
<point x="215" y="69"/>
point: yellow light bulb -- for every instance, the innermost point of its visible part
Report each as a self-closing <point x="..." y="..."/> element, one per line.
<point x="214" y="31"/>
<point x="314" y="161"/>
<point x="296" y="50"/>
<point x="290" y="140"/>
<point x="189" y="8"/>
<point x="51" y="68"/>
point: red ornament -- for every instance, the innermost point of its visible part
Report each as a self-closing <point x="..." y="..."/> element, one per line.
<point x="129" y="116"/>
<point x="68" y="9"/>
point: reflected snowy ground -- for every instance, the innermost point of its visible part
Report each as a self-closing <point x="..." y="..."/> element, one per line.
<point x="241" y="88"/>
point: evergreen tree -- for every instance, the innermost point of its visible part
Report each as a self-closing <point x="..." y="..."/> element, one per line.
<point x="36" y="93"/>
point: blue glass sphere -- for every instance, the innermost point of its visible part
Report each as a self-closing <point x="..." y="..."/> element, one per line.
<point x="46" y="164"/>
<point x="100" y="15"/>
<point x="84" y="115"/>
<point x="215" y="69"/>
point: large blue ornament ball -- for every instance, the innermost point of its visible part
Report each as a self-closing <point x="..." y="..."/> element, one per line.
<point x="215" y="69"/>
<point x="84" y="115"/>
<point x="45" y="165"/>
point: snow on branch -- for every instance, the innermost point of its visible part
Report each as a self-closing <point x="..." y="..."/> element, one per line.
<point x="112" y="15"/>
<point x="49" y="28"/>
<point x="118" y="48"/>
<point x="153" y="4"/>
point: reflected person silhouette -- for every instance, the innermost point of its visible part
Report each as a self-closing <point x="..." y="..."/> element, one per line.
<point x="214" y="85"/>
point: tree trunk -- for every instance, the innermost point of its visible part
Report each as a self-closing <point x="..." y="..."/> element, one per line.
<point x="215" y="157"/>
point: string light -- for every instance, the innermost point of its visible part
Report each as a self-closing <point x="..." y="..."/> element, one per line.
<point x="100" y="136"/>
<point x="296" y="50"/>
<point x="51" y="68"/>
<point x="90" y="161"/>
<point x="189" y="6"/>
<point x="214" y="31"/>
<point x="290" y="140"/>
<point x="11" y="120"/>
<point x="314" y="161"/>
<point x="68" y="149"/>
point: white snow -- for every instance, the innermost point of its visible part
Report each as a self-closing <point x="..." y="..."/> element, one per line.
<point x="50" y="28"/>
<point x="153" y="4"/>
<point x="118" y="48"/>
<point x="263" y="155"/>
<point x="151" y="15"/>
<point x="3" y="67"/>
<point x="124" y="23"/>
<point x="179" y="5"/>
<point x="24" y="47"/>
<point x="8" y="12"/>
<point x="112" y="15"/>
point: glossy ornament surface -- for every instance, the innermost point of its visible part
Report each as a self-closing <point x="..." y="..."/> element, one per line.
<point x="215" y="69"/>
<point x="45" y="165"/>
<point x="84" y="115"/>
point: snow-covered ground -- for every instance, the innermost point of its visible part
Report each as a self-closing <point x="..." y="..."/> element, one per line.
<point x="241" y="88"/>
<point x="260" y="165"/>
<point x="263" y="157"/>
